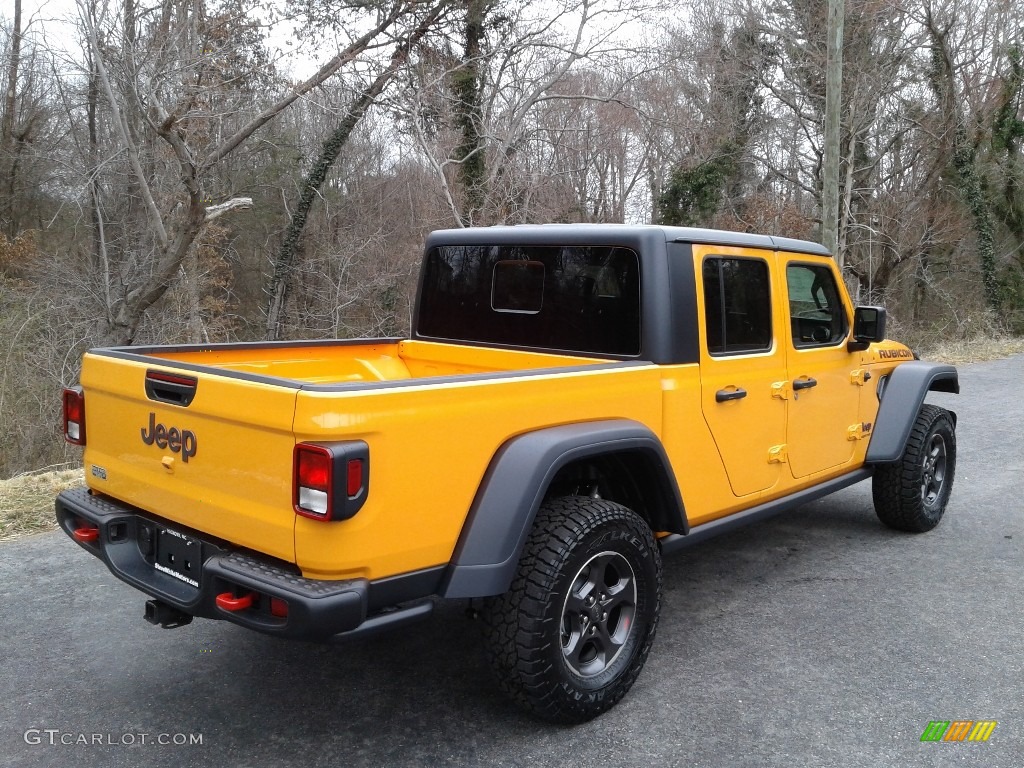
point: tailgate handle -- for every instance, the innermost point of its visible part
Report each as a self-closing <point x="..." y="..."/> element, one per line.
<point x="170" y="388"/>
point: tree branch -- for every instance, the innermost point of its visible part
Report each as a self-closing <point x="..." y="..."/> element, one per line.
<point x="133" y="152"/>
<point x="235" y="203"/>
<point x="324" y="73"/>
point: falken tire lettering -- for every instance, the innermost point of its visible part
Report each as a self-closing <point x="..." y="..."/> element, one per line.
<point x="175" y="440"/>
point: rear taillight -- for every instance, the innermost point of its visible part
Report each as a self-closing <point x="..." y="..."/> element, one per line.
<point x="330" y="480"/>
<point x="74" y="416"/>
<point x="313" y="480"/>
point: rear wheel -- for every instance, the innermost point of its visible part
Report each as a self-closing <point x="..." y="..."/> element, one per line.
<point x="570" y="637"/>
<point x="911" y="495"/>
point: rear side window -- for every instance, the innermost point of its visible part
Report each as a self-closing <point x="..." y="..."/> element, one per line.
<point x="737" y="305"/>
<point x="816" y="314"/>
<point x="571" y="298"/>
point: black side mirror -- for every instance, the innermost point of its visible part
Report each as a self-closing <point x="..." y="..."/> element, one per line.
<point x="868" y="327"/>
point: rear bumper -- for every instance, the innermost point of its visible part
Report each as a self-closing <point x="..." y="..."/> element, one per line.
<point x="317" y="610"/>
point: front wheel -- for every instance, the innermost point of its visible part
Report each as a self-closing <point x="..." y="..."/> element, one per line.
<point x="570" y="637"/>
<point x="911" y="495"/>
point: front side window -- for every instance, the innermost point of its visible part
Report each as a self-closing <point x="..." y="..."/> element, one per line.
<point x="583" y="299"/>
<point x="737" y="305"/>
<point x="816" y="313"/>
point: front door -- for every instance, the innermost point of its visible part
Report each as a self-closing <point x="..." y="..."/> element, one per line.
<point x="824" y="394"/>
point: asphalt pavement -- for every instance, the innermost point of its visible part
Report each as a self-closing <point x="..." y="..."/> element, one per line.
<point x="818" y="638"/>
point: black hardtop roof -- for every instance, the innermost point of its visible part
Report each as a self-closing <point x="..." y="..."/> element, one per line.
<point x="608" y="234"/>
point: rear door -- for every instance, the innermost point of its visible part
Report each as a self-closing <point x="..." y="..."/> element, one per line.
<point x="825" y="396"/>
<point x="740" y="361"/>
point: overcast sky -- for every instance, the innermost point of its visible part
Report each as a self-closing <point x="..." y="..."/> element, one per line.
<point x="56" y="20"/>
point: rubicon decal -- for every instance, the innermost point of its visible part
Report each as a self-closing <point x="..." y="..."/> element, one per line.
<point x="175" y="440"/>
<point x="895" y="354"/>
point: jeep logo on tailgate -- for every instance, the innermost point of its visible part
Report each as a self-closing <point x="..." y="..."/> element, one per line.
<point x="181" y="441"/>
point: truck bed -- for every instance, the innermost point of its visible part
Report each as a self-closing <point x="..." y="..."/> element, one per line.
<point x="343" y="363"/>
<point x="432" y="414"/>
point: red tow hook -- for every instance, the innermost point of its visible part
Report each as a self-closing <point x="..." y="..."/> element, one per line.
<point x="86" y="534"/>
<point x="229" y="602"/>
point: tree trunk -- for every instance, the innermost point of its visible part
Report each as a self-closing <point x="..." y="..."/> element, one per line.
<point x="7" y="153"/>
<point x="197" y="333"/>
<point x="469" y="114"/>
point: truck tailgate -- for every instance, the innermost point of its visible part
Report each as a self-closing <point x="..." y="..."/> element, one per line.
<point x="218" y="461"/>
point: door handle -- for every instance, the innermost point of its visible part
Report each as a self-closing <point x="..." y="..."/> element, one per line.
<point x="730" y="394"/>
<point x="805" y="383"/>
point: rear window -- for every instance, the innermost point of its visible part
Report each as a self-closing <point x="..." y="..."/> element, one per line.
<point x="572" y="298"/>
<point x="737" y="305"/>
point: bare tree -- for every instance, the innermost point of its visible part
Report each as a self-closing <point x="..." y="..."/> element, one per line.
<point x="475" y="111"/>
<point x="165" y="100"/>
<point x="329" y="153"/>
<point x="712" y="179"/>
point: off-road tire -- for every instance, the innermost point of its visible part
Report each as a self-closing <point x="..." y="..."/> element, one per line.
<point x="911" y="495"/>
<point x="569" y="638"/>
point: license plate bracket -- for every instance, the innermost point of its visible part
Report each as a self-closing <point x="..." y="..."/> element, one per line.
<point x="179" y="556"/>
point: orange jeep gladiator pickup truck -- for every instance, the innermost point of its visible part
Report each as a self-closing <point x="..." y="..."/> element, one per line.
<point x="573" y="402"/>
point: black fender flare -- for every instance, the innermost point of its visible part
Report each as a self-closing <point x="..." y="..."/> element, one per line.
<point x="902" y="398"/>
<point x="514" y="486"/>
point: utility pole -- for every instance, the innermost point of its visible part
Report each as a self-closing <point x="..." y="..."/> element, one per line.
<point x="833" y="106"/>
